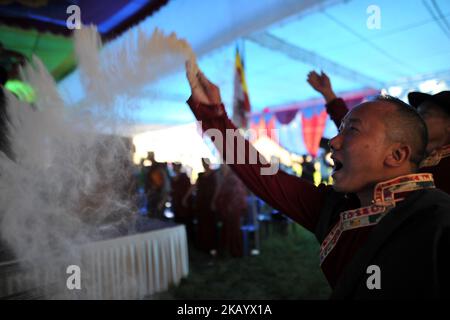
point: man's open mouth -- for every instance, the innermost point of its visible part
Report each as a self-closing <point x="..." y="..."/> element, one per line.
<point x="337" y="165"/>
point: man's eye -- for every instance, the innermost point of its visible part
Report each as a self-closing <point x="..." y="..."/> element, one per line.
<point x="354" y="129"/>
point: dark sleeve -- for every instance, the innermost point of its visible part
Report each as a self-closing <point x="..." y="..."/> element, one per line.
<point x="443" y="263"/>
<point x="297" y="198"/>
<point x="167" y="185"/>
<point x="337" y="109"/>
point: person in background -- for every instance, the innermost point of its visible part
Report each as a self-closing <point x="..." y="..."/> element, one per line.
<point x="205" y="189"/>
<point x="157" y="188"/>
<point x="10" y="61"/>
<point x="435" y="110"/>
<point x="231" y="204"/>
<point x="180" y="185"/>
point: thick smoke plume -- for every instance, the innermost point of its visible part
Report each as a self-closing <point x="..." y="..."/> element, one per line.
<point x="65" y="182"/>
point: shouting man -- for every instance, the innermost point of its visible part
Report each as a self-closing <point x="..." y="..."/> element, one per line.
<point x="380" y="213"/>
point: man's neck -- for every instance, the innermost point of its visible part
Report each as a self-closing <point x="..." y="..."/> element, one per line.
<point x="365" y="197"/>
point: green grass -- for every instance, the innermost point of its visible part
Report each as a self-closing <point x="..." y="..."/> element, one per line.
<point x="286" y="268"/>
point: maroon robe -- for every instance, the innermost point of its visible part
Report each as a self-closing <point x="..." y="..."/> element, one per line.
<point x="231" y="205"/>
<point x="206" y="234"/>
<point x="180" y="186"/>
<point x="337" y="109"/>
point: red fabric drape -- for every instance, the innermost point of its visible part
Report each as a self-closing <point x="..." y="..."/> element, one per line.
<point x="270" y="127"/>
<point x="312" y="129"/>
<point x="263" y="128"/>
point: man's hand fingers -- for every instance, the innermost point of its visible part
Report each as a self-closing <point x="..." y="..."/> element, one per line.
<point x="313" y="75"/>
<point x="323" y="75"/>
<point x="204" y="80"/>
<point x="191" y="71"/>
<point x="313" y="79"/>
<point x="203" y="90"/>
<point x="207" y="85"/>
<point x="210" y="89"/>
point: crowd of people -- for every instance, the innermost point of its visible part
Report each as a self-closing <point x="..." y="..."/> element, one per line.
<point x="212" y="209"/>
<point x="216" y="206"/>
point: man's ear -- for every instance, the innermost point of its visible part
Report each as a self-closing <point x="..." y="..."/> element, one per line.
<point x="398" y="154"/>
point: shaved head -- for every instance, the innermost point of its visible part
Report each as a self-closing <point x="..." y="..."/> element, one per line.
<point x="406" y="126"/>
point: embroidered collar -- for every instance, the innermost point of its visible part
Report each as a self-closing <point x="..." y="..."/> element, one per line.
<point x="386" y="195"/>
<point x="436" y="156"/>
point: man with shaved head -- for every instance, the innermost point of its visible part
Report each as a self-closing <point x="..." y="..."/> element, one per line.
<point x="384" y="229"/>
<point x="435" y="110"/>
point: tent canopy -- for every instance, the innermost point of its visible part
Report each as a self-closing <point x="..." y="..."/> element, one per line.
<point x="40" y="27"/>
<point x="407" y="48"/>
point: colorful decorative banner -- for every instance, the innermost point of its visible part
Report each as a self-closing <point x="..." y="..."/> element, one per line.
<point x="312" y="129"/>
<point x="300" y="126"/>
<point x="265" y="125"/>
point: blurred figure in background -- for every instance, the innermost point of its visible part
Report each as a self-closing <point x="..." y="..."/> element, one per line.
<point x="231" y="204"/>
<point x="435" y="110"/>
<point x="205" y="192"/>
<point x="157" y="188"/>
<point x="308" y="169"/>
<point x="181" y="185"/>
<point x="10" y="61"/>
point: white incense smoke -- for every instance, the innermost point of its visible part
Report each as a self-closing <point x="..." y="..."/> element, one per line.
<point x="140" y="59"/>
<point x="69" y="183"/>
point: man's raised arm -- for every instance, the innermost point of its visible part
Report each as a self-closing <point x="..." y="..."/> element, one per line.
<point x="295" y="197"/>
<point x="336" y="107"/>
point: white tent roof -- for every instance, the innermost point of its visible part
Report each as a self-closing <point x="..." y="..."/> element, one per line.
<point x="285" y="39"/>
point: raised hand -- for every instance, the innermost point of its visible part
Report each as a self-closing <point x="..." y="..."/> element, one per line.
<point x="202" y="90"/>
<point x="321" y="83"/>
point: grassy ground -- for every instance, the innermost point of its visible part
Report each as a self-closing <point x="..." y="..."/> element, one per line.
<point x="286" y="268"/>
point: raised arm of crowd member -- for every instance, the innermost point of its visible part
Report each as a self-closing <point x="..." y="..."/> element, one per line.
<point x="336" y="107"/>
<point x="297" y="198"/>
